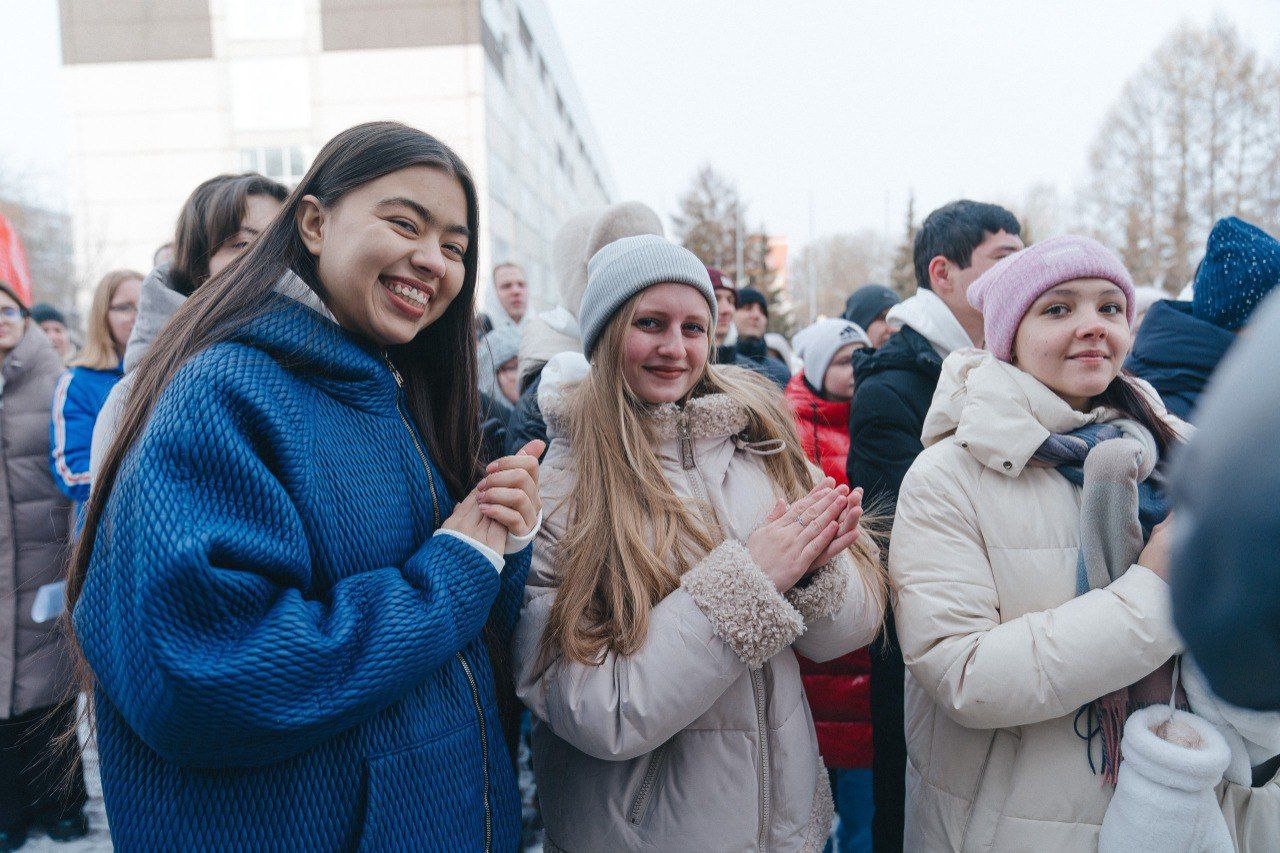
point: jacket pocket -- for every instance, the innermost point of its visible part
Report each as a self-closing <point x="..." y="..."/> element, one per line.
<point x="640" y="802"/>
<point x="427" y="797"/>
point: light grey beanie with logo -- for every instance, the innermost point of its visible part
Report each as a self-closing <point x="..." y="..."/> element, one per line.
<point x="818" y="344"/>
<point x="627" y="266"/>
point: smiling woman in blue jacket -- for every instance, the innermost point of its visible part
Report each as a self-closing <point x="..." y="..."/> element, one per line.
<point x="292" y="569"/>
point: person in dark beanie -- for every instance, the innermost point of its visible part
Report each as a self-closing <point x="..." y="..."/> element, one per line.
<point x="1181" y="343"/>
<point x="54" y="325"/>
<point x="893" y="388"/>
<point x="868" y="309"/>
<point x="732" y="346"/>
<point x="752" y="321"/>
<point x="1226" y="578"/>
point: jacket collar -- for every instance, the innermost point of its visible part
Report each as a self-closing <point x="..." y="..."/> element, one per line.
<point x="929" y="315"/>
<point x="314" y="347"/>
<point x="157" y="302"/>
<point x="1173" y="340"/>
<point x="33" y="349"/>
<point x="712" y="416"/>
<point x="907" y="349"/>
<point x="1001" y="415"/>
<point x="809" y="407"/>
<point x="708" y="417"/>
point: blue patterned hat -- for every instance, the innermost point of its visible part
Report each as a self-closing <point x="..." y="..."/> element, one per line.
<point x="1241" y="266"/>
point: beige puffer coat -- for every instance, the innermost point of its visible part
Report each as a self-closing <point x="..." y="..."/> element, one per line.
<point x="35" y="668"/>
<point x="1000" y="651"/>
<point x="703" y="739"/>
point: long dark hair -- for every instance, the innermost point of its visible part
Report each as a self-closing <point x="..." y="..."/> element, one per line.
<point x="438" y="366"/>
<point x="1125" y="396"/>
<point x="210" y="216"/>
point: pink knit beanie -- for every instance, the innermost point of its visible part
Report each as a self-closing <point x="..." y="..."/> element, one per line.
<point x="1005" y="292"/>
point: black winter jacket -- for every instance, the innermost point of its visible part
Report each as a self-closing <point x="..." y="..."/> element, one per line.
<point x="526" y="422"/>
<point x="894" y="387"/>
<point x="1177" y="353"/>
<point x="752" y="354"/>
<point x="893" y="390"/>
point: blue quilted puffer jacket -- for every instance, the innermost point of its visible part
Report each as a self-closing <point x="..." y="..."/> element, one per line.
<point x="286" y="657"/>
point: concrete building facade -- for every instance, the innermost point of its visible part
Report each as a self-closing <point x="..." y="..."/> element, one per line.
<point x="163" y="94"/>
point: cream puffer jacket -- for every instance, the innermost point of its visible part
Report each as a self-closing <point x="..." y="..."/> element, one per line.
<point x="1000" y="651"/>
<point x="702" y="740"/>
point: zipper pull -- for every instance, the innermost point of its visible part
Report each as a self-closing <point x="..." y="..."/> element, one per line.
<point x="395" y="374"/>
<point x="686" y="443"/>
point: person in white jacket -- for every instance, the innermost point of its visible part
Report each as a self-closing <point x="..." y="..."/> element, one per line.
<point x="685" y="552"/>
<point x="1003" y="647"/>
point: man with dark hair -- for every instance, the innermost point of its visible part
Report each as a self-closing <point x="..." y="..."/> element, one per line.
<point x="736" y="346"/>
<point x="893" y="389"/>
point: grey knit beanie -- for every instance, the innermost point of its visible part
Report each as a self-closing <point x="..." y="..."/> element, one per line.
<point x="627" y="266"/>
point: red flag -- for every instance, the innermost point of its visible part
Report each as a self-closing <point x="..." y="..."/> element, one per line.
<point x="13" y="262"/>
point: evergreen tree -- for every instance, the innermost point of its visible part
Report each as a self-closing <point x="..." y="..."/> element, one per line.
<point x="902" y="276"/>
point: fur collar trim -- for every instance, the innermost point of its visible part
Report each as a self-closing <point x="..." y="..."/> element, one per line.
<point x="712" y="416"/>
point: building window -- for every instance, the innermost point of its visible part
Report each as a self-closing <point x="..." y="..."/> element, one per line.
<point x="494" y="49"/>
<point x="526" y="37"/>
<point x="258" y="21"/>
<point x="285" y="164"/>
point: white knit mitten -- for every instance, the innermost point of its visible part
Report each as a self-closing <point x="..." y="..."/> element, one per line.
<point x="1164" y="797"/>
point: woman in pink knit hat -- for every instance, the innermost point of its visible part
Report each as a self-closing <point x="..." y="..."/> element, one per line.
<point x="1030" y="557"/>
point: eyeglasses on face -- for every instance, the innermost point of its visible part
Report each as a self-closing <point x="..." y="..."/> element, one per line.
<point x="124" y="308"/>
<point x="10" y="314"/>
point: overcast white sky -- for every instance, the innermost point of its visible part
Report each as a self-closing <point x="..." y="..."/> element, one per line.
<point x="850" y="104"/>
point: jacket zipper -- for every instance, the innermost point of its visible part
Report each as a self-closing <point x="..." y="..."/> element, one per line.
<point x="462" y="659"/>
<point x="636" y="814"/>
<point x="484" y="750"/>
<point x="690" y="466"/>
<point x="757" y="690"/>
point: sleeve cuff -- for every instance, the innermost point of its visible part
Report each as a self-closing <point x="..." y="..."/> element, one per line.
<point x="488" y="553"/>
<point x="516" y="544"/>
<point x="745" y="609"/>
<point x="824" y="595"/>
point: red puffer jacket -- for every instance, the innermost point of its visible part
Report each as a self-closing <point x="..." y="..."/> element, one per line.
<point x="839" y="691"/>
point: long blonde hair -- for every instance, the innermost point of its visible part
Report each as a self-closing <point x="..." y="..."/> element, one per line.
<point x="99" y="350"/>
<point x="624" y="520"/>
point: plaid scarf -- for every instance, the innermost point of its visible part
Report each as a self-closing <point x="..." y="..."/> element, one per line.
<point x="1117" y="511"/>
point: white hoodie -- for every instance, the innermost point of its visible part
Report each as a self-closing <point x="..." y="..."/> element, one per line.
<point x="929" y="315"/>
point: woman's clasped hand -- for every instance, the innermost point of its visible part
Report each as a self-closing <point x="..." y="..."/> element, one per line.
<point x="504" y="502"/>
<point x="797" y="539"/>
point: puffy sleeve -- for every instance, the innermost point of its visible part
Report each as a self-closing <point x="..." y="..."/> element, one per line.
<point x="70" y="435"/>
<point x="200" y="617"/>
<point x="989" y="673"/>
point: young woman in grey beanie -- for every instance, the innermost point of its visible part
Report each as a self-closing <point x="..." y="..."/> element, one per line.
<point x="687" y="548"/>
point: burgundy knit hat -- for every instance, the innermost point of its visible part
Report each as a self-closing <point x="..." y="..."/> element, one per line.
<point x="1005" y="292"/>
<point x="720" y="281"/>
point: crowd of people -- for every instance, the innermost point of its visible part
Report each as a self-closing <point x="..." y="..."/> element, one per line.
<point x="337" y="559"/>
